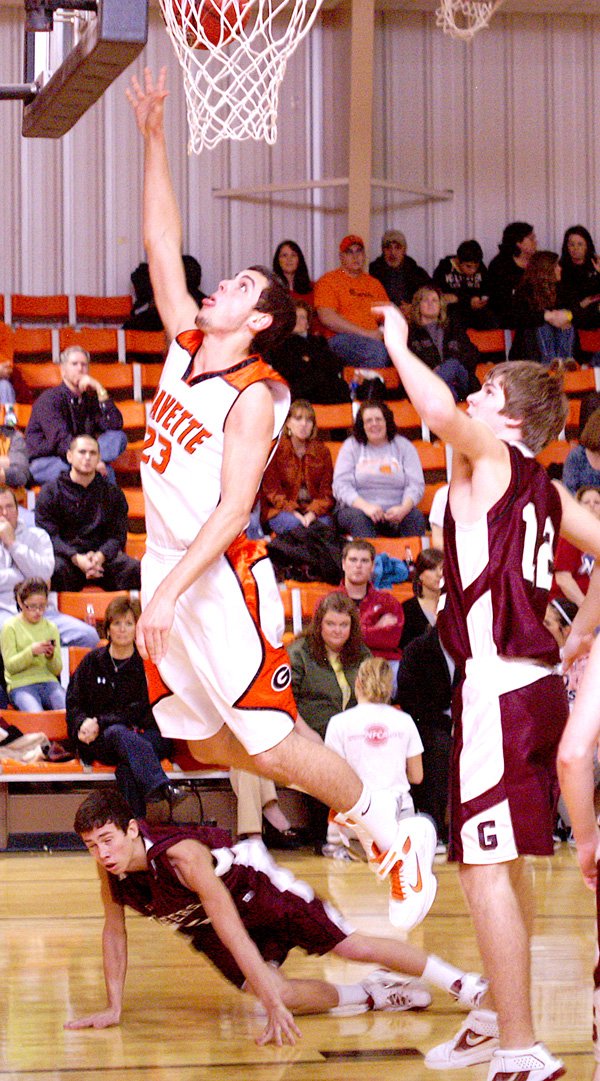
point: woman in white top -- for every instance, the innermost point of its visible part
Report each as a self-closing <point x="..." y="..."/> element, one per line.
<point x="381" y="743"/>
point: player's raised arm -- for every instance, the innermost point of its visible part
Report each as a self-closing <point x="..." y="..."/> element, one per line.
<point x="430" y="396"/>
<point x="114" y="958"/>
<point x="163" y="234"/>
<point x="193" y="865"/>
<point x="575" y="767"/>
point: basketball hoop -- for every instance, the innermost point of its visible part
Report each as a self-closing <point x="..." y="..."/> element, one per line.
<point x="462" y="19"/>
<point x="234" y="54"/>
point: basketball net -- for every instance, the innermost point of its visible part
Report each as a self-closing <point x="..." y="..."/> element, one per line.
<point x="463" y="18"/>
<point x="232" y="78"/>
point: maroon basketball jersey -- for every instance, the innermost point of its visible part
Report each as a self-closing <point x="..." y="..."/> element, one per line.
<point x="157" y="892"/>
<point x="498" y="572"/>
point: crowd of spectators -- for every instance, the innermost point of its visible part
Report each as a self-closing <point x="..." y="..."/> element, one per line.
<point x="374" y="489"/>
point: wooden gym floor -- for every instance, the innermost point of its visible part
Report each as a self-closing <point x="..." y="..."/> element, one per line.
<point x="182" y="1022"/>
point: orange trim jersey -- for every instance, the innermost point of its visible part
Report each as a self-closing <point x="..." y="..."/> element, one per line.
<point x="183" y="448"/>
<point x="225" y="663"/>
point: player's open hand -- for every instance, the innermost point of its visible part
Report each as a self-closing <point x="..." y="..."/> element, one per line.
<point x="395" y="327"/>
<point x="588" y="856"/>
<point x="148" y="103"/>
<point x="280" y="1028"/>
<point x="154" y="627"/>
<point x="102" y="1019"/>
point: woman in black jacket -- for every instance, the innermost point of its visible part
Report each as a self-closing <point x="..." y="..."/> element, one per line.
<point x="109" y="716"/>
<point x="442" y="343"/>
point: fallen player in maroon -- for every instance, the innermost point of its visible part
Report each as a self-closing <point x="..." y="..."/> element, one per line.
<point x="245" y="914"/>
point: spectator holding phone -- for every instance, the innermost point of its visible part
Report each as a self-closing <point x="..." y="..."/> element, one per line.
<point x="30" y="647"/>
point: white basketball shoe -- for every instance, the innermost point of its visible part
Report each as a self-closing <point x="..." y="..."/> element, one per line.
<point x="531" y="1064"/>
<point x="470" y="990"/>
<point x="389" y="991"/>
<point x="476" y="1041"/>
<point x="408" y="866"/>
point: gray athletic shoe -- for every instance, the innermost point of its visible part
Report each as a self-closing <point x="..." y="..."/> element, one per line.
<point x="474" y="1042"/>
<point x="470" y="990"/>
<point x="391" y="992"/>
<point x="534" y="1064"/>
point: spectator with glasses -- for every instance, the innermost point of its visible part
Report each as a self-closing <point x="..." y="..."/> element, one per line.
<point x="30" y="647"/>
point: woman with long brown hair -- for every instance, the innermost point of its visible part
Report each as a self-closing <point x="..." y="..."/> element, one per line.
<point x="325" y="662"/>
<point x="543" y="324"/>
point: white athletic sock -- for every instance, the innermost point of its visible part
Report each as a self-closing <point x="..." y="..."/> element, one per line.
<point x="351" y="994"/>
<point x="374" y="816"/>
<point x="440" y="973"/>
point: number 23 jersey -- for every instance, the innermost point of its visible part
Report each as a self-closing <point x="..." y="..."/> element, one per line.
<point x="498" y="571"/>
<point x="183" y="449"/>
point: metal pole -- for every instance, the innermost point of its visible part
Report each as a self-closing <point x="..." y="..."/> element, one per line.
<point x="18" y="92"/>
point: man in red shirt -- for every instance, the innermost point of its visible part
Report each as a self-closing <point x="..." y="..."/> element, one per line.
<point x="381" y="615"/>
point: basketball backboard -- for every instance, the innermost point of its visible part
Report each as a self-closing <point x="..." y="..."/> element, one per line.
<point x="85" y="45"/>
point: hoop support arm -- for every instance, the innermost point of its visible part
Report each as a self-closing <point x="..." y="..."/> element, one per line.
<point x="334" y="182"/>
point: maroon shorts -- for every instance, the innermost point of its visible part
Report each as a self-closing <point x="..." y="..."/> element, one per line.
<point x="515" y="815"/>
<point x="276" y="920"/>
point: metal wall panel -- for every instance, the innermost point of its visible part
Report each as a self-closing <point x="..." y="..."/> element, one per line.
<point x="507" y="122"/>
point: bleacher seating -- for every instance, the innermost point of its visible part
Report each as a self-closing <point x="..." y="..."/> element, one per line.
<point x="38" y="377"/>
<point x="581" y="381"/>
<point x="39" y="310"/>
<point x="136" y="509"/>
<point x="146" y="346"/>
<point x="33" y="344"/>
<point x="407" y="420"/>
<point x="102" y="310"/>
<point x="489" y="341"/>
<point x="136" y="545"/>
<point x="100" y="342"/>
<point x="589" y="341"/>
<point x="147" y="377"/>
<point x="88" y="602"/>
<point x="334" y="417"/>
<point x="117" y="379"/>
<point x="572" y="422"/>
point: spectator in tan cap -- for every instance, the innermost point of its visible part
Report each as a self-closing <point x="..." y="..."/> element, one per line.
<point x="399" y="274"/>
<point x="344" y="299"/>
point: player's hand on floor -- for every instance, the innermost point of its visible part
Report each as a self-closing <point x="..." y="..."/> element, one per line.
<point x="102" y="1019"/>
<point x="153" y="629"/>
<point x="280" y="1028"/>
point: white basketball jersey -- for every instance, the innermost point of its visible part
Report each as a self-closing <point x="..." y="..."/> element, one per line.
<point x="183" y="449"/>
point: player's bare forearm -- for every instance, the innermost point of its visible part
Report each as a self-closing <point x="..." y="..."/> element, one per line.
<point x="434" y="401"/>
<point x="162" y="226"/>
<point x="575" y="765"/>
<point x="114" y="959"/>
<point x="568" y="587"/>
<point x="585" y="622"/>
<point x="193" y="866"/>
<point x="429" y="394"/>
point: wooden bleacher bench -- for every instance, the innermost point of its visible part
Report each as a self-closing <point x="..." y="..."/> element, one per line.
<point x="75" y="774"/>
